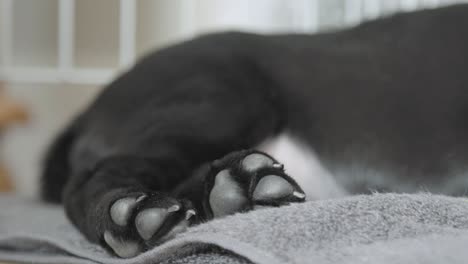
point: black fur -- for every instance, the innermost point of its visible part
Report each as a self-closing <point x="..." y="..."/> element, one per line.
<point x="57" y="166"/>
<point x="392" y="91"/>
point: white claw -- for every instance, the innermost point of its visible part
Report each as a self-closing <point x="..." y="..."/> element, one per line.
<point x="141" y="198"/>
<point x="278" y="166"/>
<point x="173" y="208"/>
<point x="189" y="214"/>
<point x="299" y="195"/>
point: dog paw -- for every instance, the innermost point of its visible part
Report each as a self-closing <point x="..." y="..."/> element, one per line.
<point x="137" y="222"/>
<point x="244" y="180"/>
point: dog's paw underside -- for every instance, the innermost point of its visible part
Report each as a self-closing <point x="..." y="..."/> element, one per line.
<point x="241" y="181"/>
<point x="140" y="221"/>
<point x="245" y="180"/>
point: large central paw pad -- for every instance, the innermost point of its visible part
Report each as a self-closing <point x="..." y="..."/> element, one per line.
<point x="140" y="222"/>
<point x="246" y="179"/>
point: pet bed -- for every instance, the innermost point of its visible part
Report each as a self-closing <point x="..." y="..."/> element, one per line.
<point x="377" y="228"/>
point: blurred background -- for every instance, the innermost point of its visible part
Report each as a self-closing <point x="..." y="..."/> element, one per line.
<point x="55" y="55"/>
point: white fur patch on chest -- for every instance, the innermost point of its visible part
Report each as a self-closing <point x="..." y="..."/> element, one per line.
<point x="302" y="164"/>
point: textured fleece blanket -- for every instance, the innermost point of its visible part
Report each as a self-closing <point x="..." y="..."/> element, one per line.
<point x="378" y="228"/>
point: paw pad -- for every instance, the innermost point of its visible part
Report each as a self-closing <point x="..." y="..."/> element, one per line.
<point x="260" y="181"/>
<point x="149" y="221"/>
<point x="144" y="224"/>
<point x="256" y="161"/>
<point x="226" y="196"/>
<point x="124" y="249"/>
<point x="272" y="187"/>
<point x="121" y="210"/>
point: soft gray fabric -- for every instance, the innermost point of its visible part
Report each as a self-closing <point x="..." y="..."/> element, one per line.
<point x="379" y="228"/>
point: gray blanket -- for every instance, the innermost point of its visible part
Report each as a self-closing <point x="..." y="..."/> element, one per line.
<point x="379" y="228"/>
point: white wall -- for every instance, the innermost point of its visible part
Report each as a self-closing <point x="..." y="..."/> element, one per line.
<point x="50" y="108"/>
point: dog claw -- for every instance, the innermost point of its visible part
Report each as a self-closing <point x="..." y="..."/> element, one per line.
<point x="141" y="198"/>
<point x="173" y="208"/>
<point x="189" y="214"/>
<point x="278" y="166"/>
<point x="299" y="195"/>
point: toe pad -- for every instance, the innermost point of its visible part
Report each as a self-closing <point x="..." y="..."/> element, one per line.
<point x="149" y="221"/>
<point x="272" y="187"/>
<point x="124" y="249"/>
<point x="121" y="210"/>
<point x="226" y="197"/>
<point x="256" y="161"/>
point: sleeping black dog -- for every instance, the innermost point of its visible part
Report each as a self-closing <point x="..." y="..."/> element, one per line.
<point x="232" y="122"/>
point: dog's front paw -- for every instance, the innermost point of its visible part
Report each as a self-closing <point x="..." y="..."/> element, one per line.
<point x="135" y="222"/>
<point x="244" y="180"/>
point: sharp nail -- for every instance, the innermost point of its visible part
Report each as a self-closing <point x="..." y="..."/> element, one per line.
<point x="278" y="166"/>
<point x="189" y="214"/>
<point x="173" y="208"/>
<point x="141" y="198"/>
<point x="299" y="195"/>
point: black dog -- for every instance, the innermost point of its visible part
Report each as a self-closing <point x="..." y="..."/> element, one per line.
<point x="382" y="106"/>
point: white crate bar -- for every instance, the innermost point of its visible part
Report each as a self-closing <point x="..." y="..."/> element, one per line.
<point x="305" y="18"/>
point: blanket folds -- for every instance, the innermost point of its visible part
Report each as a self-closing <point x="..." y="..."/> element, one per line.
<point x="378" y="228"/>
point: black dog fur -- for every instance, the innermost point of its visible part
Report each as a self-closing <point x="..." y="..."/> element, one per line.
<point x="394" y="90"/>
